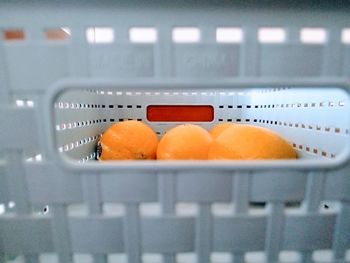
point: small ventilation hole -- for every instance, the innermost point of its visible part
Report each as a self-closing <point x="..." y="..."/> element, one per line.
<point x="272" y="35"/>
<point x="229" y="35"/>
<point x="313" y="35"/>
<point x="345" y="36"/>
<point x="143" y="35"/>
<point x="13" y="35"/>
<point x="57" y="34"/>
<point x="97" y="35"/>
<point x="186" y="35"/>
<point x="20" y="103"/>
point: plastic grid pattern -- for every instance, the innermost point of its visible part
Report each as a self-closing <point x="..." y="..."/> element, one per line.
<point x="43" y="181"/>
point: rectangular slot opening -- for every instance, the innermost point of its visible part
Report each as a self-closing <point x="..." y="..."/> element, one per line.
<point x="313" y="35"/>
<point x="271" y="35"/>
<point x="229" y="35"/>
<point x="57" y="34"/>
<point x="345" y="37"/>
<point x="143" y="35"/>
<point x="13" y="35"/>
<point x="100" y="35"/>
<point x="186" y="35"/>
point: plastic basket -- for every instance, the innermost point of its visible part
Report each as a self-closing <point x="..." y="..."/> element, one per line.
<point x="70" y="70"/>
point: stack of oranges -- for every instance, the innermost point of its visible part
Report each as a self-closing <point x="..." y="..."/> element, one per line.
<point x="134" y="140"/>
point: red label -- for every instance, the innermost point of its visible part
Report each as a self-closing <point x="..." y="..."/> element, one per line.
<point x="180" y="113"/>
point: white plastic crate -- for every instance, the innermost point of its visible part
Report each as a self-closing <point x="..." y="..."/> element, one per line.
<point x="67" y="71"/>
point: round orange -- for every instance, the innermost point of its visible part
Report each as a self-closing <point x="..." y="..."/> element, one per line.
<point x="219" y="128"/>
<point x="129" y="140"/>
<point x="247" y="142"/>
<point x="184" y="142"/>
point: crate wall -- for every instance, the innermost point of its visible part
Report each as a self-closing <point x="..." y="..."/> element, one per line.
<point x="30" y="177"/>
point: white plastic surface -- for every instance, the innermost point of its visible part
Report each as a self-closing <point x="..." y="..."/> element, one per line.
<point x="216" y="44"/>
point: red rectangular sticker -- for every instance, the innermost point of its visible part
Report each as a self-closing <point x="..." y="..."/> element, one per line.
<point x="183" y="113"/>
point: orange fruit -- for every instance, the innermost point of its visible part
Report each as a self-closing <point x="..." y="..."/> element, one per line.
<point x="184" y="142"/>
<point x="129" y="140"/>
<point x="247" y="142"/>
<point x="219" y="128"/>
